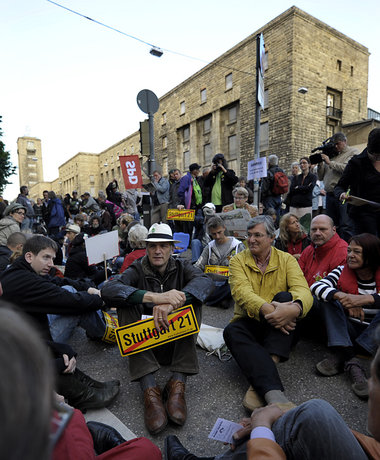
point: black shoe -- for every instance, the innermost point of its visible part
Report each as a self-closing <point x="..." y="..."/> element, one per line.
<point x="174" y="450"/>
<point x="358" y="378"/>
<point x="94" y="383"/>
<point x="83" y="396"/>
<point x="104" y="436"/>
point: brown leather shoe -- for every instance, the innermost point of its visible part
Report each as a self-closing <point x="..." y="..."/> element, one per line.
<point x="154" y="412"/>
<point x="174" y="394"/>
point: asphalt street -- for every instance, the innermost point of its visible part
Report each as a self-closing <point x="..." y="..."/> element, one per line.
<point x="219" y="388"/>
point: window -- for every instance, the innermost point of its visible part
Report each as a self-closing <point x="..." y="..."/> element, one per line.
<point x="339" y="64"/>
<point x="232" y="147"/>
<point x="352" y="71"/>
<point x="164" y="142"/>
<point x="186" y="133"/>
<point x="207" y="154"/>
<point x="232" y="114"/>
<point x="266" y="93"/>
<point x="132" y="149"/>
<point x="228" y="81"/>
<point x="163" y="118"/>
<point x="333" y="103"/>
<point x="165" y="166"/>
<point x="264" y="137"/>
<point x="30" y="145"/>
<point x="186" y="160"/>
<point x="182" y="108"/>
<point x="207" y="125"/>
<point x="203" y="95"/>
<point x="92" y="179"/>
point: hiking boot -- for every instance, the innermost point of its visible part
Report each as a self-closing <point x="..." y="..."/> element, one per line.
<point x="358" y="378"/>
<point x="330" y="366"/>
<point x="252" y="400"/>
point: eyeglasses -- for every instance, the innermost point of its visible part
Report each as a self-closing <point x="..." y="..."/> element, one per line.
<point x="20" y="212"/>
<point x="239" y="197"/>
<point x="256" y="235"/>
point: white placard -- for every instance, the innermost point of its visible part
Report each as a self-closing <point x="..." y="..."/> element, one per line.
<point x="223" y="430"/>
<point x="257" y="168"/>
<point x="105" y="244"/>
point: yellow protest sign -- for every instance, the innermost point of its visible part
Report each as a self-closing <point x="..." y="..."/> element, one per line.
<point x="111" y="324"/>
<point x="218" y="269"/>
<point x="181" y="214"/>
<point x="143" y="335"/>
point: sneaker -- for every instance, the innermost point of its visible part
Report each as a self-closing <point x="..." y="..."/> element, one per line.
<point x="358" y="378"/>
<point x="252" y="400"/>
<point x="329" y="367"/>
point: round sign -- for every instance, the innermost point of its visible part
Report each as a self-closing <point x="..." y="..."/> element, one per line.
<point x="147" y="101"/>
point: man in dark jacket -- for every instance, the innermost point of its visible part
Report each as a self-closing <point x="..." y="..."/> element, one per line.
<point x="27" y="284"/>
<point x="156" y="285"/>
<point x="221" y="181"/>
<point x="15" y="243"/>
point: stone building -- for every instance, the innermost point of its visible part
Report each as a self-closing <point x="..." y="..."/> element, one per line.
<point x="29" y="161"/>
<point x="316" y="81"/>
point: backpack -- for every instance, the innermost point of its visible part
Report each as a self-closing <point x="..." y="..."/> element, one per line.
<point x="280" y="183"/>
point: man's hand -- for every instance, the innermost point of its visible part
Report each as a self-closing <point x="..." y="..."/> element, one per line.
<point x="325" y="158"/>
<point x="180" y="206"/>
<point x="284" y="316"/>
<point x="94" y="291"/>
<point x="173" y="297"/>
<point x="264" y="416"/>
<point x="160" y="315"/>
<point x="344" y="197"/>
<point x="352" y="300"/>
<point x="356" y="312"/>
<point x="70" y="364"/>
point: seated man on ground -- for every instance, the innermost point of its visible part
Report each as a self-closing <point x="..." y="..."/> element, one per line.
<point x="350" y="303"/>
<point x="27" y="284"/>
<point x="156" y="285"/>
<point x="313" y="430"/>
<point x="326" y="251"/>
<point x="218" y="253"/>
<point x="12" y="249"/>
<point x="270" y="294"/>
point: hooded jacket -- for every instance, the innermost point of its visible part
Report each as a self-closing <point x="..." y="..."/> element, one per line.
<point x="316" y="262"/>
<point x="41" y="295"/>
<point x="8" y="225"/>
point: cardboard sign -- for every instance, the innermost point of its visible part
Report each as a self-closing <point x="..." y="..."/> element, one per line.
<point x="143" y="335"/>
<point x="111" y="324"/>
<point x="236" y="222"/>
<point x="105" y="245"/>
<point x="257" y="168"/>
<point x="131" y="169"/>
<point x="218" y="269"/>
<point x="180" y="214"/>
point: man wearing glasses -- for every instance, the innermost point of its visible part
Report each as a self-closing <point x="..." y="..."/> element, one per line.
<point x="270" y="294"/>
<point x="330" y="171"/>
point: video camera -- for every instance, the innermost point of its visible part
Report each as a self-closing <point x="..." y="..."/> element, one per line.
<point x="327" y="147"/>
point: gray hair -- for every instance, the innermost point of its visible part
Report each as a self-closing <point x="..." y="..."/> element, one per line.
<point x="268" y="224"/>
<point x="101" y="195"/>
<point x="240" y="191"/>
<point x="272" y="160"/>
<point x="295" y="163"/>
<point x="136" y="235"/>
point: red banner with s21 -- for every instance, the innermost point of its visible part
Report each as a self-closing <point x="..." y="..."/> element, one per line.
<point x="131" y="170"/>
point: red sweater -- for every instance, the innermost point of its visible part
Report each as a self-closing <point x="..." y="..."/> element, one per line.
<point x="316" y="262"/>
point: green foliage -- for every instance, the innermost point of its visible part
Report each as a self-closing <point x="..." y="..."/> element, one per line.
<point x="6" y="167"/>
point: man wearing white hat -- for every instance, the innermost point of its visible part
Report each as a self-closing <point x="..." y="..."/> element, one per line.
<point x="157" y="284"/>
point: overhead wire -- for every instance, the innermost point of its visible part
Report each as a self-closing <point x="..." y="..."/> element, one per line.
<point x="145" y="42"/>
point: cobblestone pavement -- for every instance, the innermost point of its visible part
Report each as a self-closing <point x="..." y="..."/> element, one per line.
<point x="218" y="389"/>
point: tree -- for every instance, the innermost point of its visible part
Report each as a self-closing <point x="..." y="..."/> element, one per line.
<point x="6" y="167"/>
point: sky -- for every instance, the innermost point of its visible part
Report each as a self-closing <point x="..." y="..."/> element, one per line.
<point x="73" y="83"/>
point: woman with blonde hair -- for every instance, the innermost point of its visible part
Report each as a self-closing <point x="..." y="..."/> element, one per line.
<point x="292" y="238"/>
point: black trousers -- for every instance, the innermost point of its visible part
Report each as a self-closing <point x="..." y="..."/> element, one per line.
<point x="252" y="343"/>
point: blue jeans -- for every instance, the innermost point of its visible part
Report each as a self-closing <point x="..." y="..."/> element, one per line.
<point x="196" y="249"/>
<point x="62" y="326"/>
<point x="313" y="430"/>
<point x="341" y="332"/>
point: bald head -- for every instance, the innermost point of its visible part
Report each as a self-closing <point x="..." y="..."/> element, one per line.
<point x="322" y="229"/>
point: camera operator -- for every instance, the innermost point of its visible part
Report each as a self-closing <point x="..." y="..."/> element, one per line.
<point x="330" y="170"/>
<point x="221" y="181"/>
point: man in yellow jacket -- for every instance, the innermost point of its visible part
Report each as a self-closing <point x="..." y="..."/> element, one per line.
<point x="270" y="294"/>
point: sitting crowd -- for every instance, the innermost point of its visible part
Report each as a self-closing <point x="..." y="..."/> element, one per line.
<point x="280" y="282"/>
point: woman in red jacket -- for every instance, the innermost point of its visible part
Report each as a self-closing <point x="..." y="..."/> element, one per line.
<point x="351" y="309"/>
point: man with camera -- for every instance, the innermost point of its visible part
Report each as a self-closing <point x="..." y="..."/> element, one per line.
<point x="330" y="170"/>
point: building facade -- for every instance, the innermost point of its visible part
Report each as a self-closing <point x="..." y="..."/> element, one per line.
<point x="316" y="81"/>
